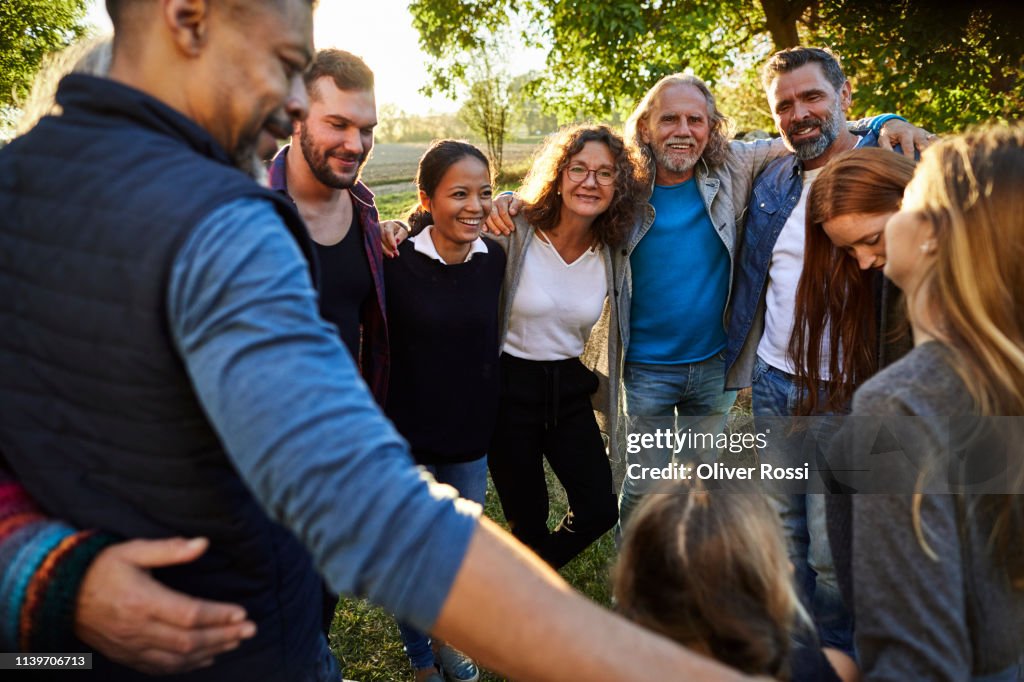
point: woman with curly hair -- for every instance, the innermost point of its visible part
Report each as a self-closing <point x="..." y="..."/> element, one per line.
<point x="581" y="197"/>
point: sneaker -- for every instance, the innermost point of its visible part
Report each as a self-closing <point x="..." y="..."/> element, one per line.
<point x="457" y="666"/>
<point x="435" y="676"/>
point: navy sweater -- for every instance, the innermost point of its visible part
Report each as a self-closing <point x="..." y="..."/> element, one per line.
<point x="443" y="319"/>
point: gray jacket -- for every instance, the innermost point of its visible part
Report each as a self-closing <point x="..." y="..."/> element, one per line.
<point x="726" y="192"/>
<point x="603" y="343"/>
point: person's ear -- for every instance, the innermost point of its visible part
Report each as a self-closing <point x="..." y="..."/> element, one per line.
<point x="927" y="232"/>
<point x="188" y="21"/>
<point x="424" y="201"/>
<point x="645" y="135"/>
<point x="845" y="96"/>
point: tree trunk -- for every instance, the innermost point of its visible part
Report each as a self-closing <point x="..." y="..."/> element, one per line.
<point x="780" y="18"/>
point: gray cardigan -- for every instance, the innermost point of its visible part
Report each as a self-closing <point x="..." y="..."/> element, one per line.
<point x="604" y="339"/>
<point x="922" y="618"/>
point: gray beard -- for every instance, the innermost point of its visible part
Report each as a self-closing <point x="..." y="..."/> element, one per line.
<point x="812" y="149"/>
<point x="249" y="162"/>
<point x="828" y="133"/>
<point x="674" y="165"/>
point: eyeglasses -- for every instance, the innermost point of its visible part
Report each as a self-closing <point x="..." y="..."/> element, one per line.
<point x="579" y="173"/>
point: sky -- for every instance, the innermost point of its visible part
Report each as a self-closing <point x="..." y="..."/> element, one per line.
<point x="381" y="32"/>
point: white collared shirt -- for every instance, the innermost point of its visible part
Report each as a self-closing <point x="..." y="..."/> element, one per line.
<point x="424" y="243"/>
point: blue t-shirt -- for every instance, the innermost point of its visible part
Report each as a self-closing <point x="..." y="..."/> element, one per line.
<point x="680" y="274"/>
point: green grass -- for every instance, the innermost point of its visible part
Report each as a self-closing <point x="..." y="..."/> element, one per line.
<point x="395" y="163"/>
<point x="395" y="205"/>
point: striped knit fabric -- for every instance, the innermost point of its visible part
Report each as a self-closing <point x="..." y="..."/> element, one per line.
<point x="42" y="563"/>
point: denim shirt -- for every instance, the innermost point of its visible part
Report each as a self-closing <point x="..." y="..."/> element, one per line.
<point x="775" y="195"/>
<point x="298" y="423"/>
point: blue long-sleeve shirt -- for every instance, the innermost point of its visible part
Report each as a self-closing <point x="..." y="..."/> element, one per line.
<point x="300" y="424"/>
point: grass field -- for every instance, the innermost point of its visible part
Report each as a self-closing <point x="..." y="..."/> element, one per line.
<point x="395" y="164"/>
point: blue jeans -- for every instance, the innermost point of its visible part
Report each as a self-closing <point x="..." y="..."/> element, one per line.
<point x="775" y="394"/>
<point x="671" y="392"/>
<point x="325" y="669"/>
<point x="470" y="479"/>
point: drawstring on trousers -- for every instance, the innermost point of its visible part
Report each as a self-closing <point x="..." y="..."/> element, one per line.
<point x="551" y="395"/>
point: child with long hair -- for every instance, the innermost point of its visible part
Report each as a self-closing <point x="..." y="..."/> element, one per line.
<point x="937" y="579"/>
<point x="709" y="569"/>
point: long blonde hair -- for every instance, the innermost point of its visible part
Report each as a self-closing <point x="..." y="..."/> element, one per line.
<point x="971" y="190"/>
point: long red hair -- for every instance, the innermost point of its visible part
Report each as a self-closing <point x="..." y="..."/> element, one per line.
<point x="835" y="306"/>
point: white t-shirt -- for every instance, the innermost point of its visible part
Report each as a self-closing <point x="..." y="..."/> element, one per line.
<point x="556" y="303"/>
<point x="783" y="278"/>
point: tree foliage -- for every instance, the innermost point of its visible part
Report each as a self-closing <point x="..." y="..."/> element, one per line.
<point x="29" y="30"/>
<point x="947" y="69"/>
<point x="944" y="69"/>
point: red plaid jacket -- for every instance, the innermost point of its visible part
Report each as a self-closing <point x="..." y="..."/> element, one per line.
<point x="374" y="356"/>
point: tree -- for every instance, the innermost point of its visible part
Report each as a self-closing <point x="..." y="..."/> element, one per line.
<point x="29" y="29"/>
<point x="528" y="116"/>
<point x="951" y="68"/>
<point x="945" y="69"/>
<point x="487" y="110"/>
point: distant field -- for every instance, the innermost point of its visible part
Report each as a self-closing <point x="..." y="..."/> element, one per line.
<point x="395" y="163"/>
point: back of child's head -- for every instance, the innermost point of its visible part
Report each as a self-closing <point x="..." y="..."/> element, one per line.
<point x="710" y="571"/>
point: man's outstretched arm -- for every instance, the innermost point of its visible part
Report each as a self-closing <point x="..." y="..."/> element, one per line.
<point x="513" y="613"/>
<point x="304" y="433"/>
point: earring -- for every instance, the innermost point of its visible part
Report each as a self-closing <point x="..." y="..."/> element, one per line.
<point x="928" y="246"/>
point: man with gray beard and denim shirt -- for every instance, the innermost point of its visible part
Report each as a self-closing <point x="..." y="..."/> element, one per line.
<point x="809" y="96"/>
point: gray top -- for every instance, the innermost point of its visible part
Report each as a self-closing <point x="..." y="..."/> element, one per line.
<point x="920" y="618"/>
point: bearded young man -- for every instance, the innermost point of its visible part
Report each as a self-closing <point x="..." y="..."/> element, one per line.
<point x="809" y="97"/>
<point x="320" y="171"/>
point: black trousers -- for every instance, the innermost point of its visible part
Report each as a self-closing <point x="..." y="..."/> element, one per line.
<point x="545" y="411"/>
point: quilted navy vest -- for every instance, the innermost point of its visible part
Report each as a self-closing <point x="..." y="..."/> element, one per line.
<point x="97" y="415"/>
